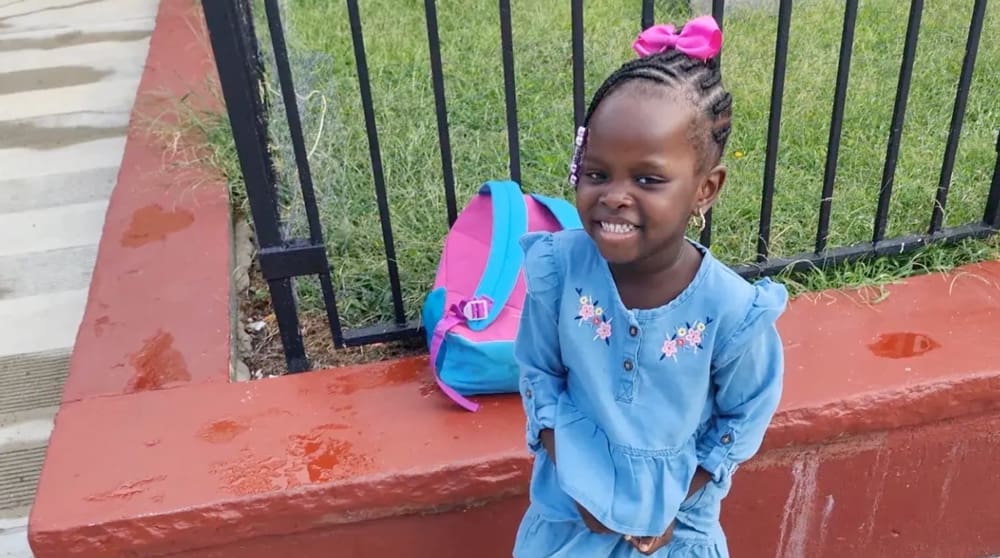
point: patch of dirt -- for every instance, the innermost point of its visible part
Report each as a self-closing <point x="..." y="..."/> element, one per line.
<point x="266" y="358"/>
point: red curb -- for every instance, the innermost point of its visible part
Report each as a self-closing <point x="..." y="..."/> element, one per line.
<point x="158" y="311"/>
<point x="155" y="453"/>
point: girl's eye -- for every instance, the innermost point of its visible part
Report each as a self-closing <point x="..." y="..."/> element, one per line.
<point x="595" y="176"/>
<point x="648" y="180"/>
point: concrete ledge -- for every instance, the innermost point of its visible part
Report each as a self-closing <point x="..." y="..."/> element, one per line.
<point x="157" y="315"/>
<point x="884" y="446"/>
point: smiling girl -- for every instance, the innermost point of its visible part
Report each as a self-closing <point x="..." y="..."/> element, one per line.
<point x="649" y="370"/>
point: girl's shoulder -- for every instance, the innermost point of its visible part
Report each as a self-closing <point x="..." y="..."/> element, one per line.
<point x="561" y="246"/>
<point x="743" y="309"/>
<point x="548" y="256"/>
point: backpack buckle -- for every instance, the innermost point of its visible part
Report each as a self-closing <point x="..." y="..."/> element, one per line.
<point x="476" y="309"/>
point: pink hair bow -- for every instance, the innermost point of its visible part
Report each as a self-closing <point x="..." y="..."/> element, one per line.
<point x="700" y="38"/>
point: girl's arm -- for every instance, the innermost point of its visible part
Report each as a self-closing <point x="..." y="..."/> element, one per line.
<point x="543" y="377"/>
<point x="748" y="388"/>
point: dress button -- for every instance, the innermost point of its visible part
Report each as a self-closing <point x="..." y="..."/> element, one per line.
<point x="727" y="439"/>
<point x="633" y="331"/>
<point x="628" y="365"/>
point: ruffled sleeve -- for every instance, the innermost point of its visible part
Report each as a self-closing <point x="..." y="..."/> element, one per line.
<point x="536" y="349"/>
<point x="747" y="374"/>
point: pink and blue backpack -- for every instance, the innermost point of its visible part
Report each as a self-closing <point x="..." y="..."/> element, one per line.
<point x="472" y="314"/>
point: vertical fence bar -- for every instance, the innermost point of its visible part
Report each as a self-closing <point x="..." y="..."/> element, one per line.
<point x="302" y="163"/>
<point x="836" y="124"/>
<point x="234" y="44"/>
<point x="378" y="176"/>
<point x="647" y="14"/>
<point x="718" y="12"/>
<point x="579" y="106"/>
<point x="991" y="217"/>
<point x="509" y="90"/>
<point x="898" y="118"/>
<point x="774" y="129"/>
<point x="294" y="121"/>
<point x="958" y="115"/>
<point x="441" y="108"/>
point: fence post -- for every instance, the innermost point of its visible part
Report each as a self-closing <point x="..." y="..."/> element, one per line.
<point x="991" y="217"/>
<point x="237" y="58"/>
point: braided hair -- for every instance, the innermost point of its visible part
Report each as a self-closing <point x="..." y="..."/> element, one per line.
<point x="699" y="81"/>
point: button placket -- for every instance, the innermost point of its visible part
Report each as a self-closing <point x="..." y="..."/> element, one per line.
<point x="630" y="362"/>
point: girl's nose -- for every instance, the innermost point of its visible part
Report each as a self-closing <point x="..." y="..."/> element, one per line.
<point x="616" y="197"/>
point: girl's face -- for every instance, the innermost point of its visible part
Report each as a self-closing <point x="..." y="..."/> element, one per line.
<point x="641" y="177"/>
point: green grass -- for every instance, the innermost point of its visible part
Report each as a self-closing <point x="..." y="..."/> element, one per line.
<point x="395" y="34"/>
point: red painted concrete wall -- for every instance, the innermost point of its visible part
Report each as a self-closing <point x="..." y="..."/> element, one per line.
<point x="885" y="444"/>
<point x="917" y="492"/>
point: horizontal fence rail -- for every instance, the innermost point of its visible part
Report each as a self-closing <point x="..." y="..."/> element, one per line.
<point x="283" y="258"/>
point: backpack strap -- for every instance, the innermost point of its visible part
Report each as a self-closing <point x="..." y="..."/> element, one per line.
<point x="465" y="312"/>
<point x="563" y="211"/>
<point x="510" y="223"/>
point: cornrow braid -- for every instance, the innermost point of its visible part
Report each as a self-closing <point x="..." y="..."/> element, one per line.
<point x="701" y="81"/>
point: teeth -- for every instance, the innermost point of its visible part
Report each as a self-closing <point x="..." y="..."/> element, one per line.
<point x="617" y="228"/>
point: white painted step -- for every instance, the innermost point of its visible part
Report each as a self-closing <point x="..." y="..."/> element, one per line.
<point x="57" y="36"/>
<point x="59" y="131"/>
<point x="49" y="14"/>
<point x="36" y="273"/>
<point x="92" y="96"/>
<point x="28" y="163"/>
<point x="14" y="542"/>
<point x="52" y="228"/>
<point x="40" y="323"/>
<point x="33" y="432"/>
<point x="48" y="190"/>
<point x="124" y="57"/>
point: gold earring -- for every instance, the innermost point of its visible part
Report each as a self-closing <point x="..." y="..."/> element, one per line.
<point x="699" y="219"/>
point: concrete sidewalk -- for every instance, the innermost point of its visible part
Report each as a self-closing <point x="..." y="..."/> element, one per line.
<point x="68" y="75"/>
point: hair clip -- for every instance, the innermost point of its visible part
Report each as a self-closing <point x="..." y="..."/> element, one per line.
<point x="574" y="166"/>
<point x="700" y="38"/>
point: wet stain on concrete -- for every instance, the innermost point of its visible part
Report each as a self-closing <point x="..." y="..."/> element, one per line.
<point x="388" y="374"/>
<point x="126" y="491"/>
<point x="317" y="456"/>
<point x="26" y="134"/>
<point x="250" y="474"/>
<point x="902" y="345"/>
<point x="71" y="39"/>
<point x="326" y="457"/>
<point x="428" y="388"/>
<point x="100" y="324"/>
<point x="222" y="431"/>
<point x="157" y="364"/>
<point x="38" y="79"/>
<point x="153" y="223"/>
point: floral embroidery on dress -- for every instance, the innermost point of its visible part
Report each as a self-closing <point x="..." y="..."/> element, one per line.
<point x="591" y="313"/>
<point x="687" y="337"/>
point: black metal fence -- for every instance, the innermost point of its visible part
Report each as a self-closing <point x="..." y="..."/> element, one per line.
<point x="281" y="259"/>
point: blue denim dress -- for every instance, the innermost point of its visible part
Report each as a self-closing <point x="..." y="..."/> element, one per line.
<point x="639" y="399"/>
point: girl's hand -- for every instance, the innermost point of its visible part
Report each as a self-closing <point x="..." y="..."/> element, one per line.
<point x="548" y="439"/>
<point x="592" y="523"/>
<point x="649" y="545"/>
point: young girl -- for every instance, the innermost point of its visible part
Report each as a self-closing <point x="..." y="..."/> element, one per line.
<point x="649" y="370"/>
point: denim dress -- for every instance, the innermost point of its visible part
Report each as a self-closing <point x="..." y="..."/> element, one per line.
<point x="639" y="399"/>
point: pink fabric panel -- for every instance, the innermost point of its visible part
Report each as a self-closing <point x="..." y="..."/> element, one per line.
<point x="465" y="257"/>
